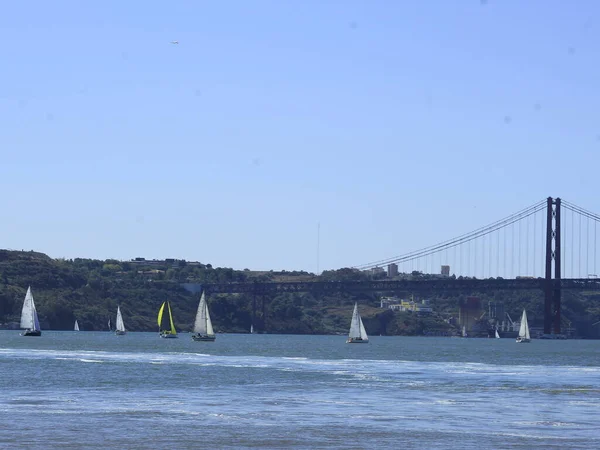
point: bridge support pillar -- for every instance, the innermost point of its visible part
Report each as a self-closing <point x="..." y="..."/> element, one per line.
<point x="552" y="287"/>
<point x="264" y="315"/>
<point x="548" y="282"/>
<point x="557" y="266"/>
<point x="253" y="312"/>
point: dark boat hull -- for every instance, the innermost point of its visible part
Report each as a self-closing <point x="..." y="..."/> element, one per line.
<point x="31" y="333"/>
<point x="203" y="338"/>
<point x="168" y="335"/>
<point x="357" y="341"/>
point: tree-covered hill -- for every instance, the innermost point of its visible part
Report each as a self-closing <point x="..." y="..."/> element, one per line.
<point x="89" y="290"/>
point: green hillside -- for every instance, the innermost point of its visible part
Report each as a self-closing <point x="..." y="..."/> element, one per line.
<point x="90" y="290"/>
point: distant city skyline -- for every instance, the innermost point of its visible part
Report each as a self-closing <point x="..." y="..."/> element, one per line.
<point x="290" y="135"/>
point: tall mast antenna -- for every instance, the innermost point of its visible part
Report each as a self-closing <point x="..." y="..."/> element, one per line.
<point x="318" y="244"/>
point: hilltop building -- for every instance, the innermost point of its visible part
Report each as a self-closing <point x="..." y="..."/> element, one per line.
<point x="392" y="270"/>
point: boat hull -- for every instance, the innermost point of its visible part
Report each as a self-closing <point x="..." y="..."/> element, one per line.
<point x="31" y="333"/>
<point x="168" y="335"/>
<point x="203" y="338"/>
<point x="120" y="333"/>
<point x="357" y="341"/>
<point x="523" y="341"/>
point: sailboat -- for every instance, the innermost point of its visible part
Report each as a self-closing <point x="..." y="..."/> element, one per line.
<point x="464" y="332"/>
<point x="76" y="327"/>
<point x="358" y="334"/>
<point x="203" y="325"/>
<point x="120" y="331"/>
<point x="29" y="317"/>
<point x="524" y="330"/>
<point x="110" y="324"/>
<point x="167" y="330"/>
<point x="251" y="329"/>
<point x="497" y="336"/>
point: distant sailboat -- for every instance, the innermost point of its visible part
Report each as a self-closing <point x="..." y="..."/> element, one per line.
<point x="203" y="325"/>
<point x="251" y="329"/>
<point x="120" y="331"/>
<point x="357" y="334"/>
<point x="524" y="330"/>
<point x="166" y="330"/>
<point x="109" y="324"/>
<point x="29" y="317"/>
<point x="76" y="327"/>
<point x="496" y="334"/>
<point x="464" y="332"/>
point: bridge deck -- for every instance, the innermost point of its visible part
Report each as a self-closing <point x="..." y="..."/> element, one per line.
<point x="446" y="284"/>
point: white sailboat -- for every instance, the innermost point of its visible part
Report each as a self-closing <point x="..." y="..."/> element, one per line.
<point x="76" y="327"/>
<point x="496" y="334"/>
<point x="251" y="329"/>
<point x="464" y="332"/>
<point x="524" y="330"/>
<point x="29" y="317"/>
<point x="120" y="331"/>
<point x="203" y="325"/>
<point x="357" y="334"/>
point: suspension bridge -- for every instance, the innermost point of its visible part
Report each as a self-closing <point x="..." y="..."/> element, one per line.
<point x="551" y="245"/>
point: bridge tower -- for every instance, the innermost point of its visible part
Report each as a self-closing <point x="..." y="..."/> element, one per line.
<point x="552" y="289"/>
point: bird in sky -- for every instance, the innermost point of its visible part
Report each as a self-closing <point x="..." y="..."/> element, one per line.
<point x="174" y="42"/>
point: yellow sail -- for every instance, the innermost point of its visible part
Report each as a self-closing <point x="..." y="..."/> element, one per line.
<point x="173" y="331"/>
<point x="160" y="314"/>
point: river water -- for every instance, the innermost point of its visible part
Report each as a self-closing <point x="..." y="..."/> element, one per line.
<point x="84" y="390"/>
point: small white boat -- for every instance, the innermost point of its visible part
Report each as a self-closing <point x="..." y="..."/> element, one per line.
<point x="120" y="331"/>
<point x="167" y="329"/>
<point x="524" y="337"/>
<point x="29" y="317"/>
<point x="76" y="327"/>
<point x="497" y="335"/>
<point x="357" y="334"/>
<point x="203" y="328"/>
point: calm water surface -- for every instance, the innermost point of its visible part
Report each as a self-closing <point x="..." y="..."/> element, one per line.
<point x="91" y="390"/>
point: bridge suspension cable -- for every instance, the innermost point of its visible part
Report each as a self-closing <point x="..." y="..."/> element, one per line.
<point x="582" y="242"/>
<point x="460" y="240"/>
<point x="517" y="250"/>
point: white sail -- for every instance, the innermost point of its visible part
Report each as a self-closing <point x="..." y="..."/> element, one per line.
<point x="120" y="324"/>
<point x="357" y="329"/>
<point x="29" y="317"/>
<point x="76" y="328"/>
<point x="497" y="335"/>
<point x="524" y="328"/>
<point x="203" y="324"/>
<point x="251" y="329"/>
<point x="363" y="332"/>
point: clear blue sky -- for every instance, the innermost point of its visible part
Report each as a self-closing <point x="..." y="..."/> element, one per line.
<point x="393" y="124"/>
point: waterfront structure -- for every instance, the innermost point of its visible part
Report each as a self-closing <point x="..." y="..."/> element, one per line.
<point x="469" y="312"/>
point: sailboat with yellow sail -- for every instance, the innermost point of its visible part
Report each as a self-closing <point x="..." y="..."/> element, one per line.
<point x="166" y="327"/>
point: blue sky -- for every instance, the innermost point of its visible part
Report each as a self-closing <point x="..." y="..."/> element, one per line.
<point x="395" y="125"/>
